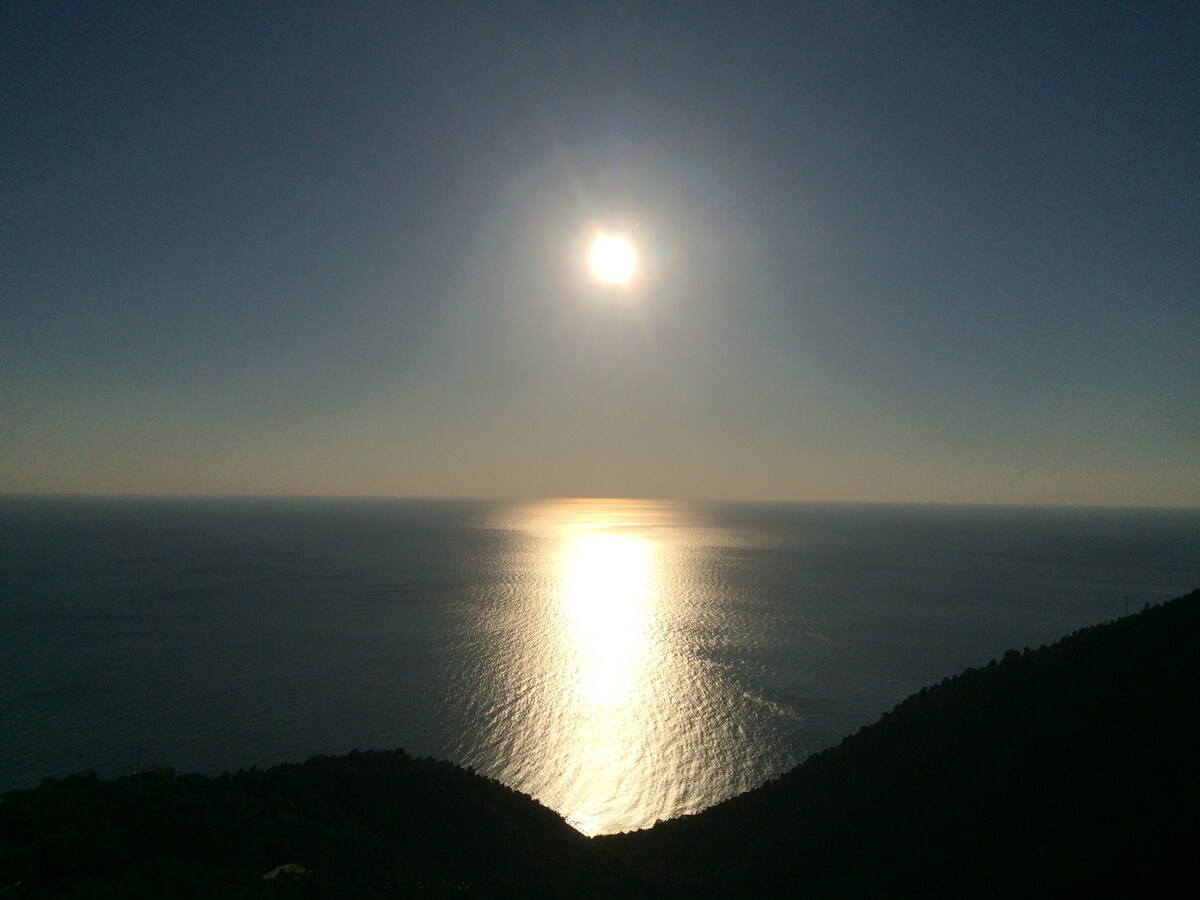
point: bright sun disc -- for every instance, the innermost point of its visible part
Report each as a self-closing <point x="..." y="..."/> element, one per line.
<point x="612" y="259"/>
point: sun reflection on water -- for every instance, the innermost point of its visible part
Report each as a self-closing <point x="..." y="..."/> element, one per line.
<point x="607" y="591"/>
<point x="589" y="674"/>
<point x="604" y="646"/>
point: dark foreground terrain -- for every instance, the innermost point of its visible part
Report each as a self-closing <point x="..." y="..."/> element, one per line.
<point x="1065" y="771"/>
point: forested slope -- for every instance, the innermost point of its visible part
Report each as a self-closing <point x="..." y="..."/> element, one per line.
<point x="1069" y="768"/>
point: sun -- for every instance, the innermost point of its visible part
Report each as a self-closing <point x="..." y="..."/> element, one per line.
<point x="613" y="260"/>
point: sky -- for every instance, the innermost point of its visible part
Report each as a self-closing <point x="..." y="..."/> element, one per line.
<point x="909" y="252"/>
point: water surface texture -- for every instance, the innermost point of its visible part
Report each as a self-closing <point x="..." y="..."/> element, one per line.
<point x="621" y="661"/>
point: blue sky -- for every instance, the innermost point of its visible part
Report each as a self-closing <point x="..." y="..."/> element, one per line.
<point x="901" y="252"/>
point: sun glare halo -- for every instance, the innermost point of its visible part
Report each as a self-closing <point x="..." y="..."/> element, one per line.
<point x="612" y="259"/>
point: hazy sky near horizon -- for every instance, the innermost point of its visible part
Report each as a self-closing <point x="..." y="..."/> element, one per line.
<point x="891" y="251"/>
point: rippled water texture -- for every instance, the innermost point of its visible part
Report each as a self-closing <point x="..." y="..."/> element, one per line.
<point x="595" y="684"/>
<point x="621" y="661"/>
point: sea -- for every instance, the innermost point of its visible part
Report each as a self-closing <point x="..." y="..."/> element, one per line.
<point x="621" y="661"/>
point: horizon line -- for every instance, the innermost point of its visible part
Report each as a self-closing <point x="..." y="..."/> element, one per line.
<point x="534" y="498"/>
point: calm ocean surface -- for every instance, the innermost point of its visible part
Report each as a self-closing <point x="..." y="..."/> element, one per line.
<point x="621" y="661"/>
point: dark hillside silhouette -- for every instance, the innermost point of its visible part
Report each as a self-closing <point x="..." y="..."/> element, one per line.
<point x="1068" y="770"/>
